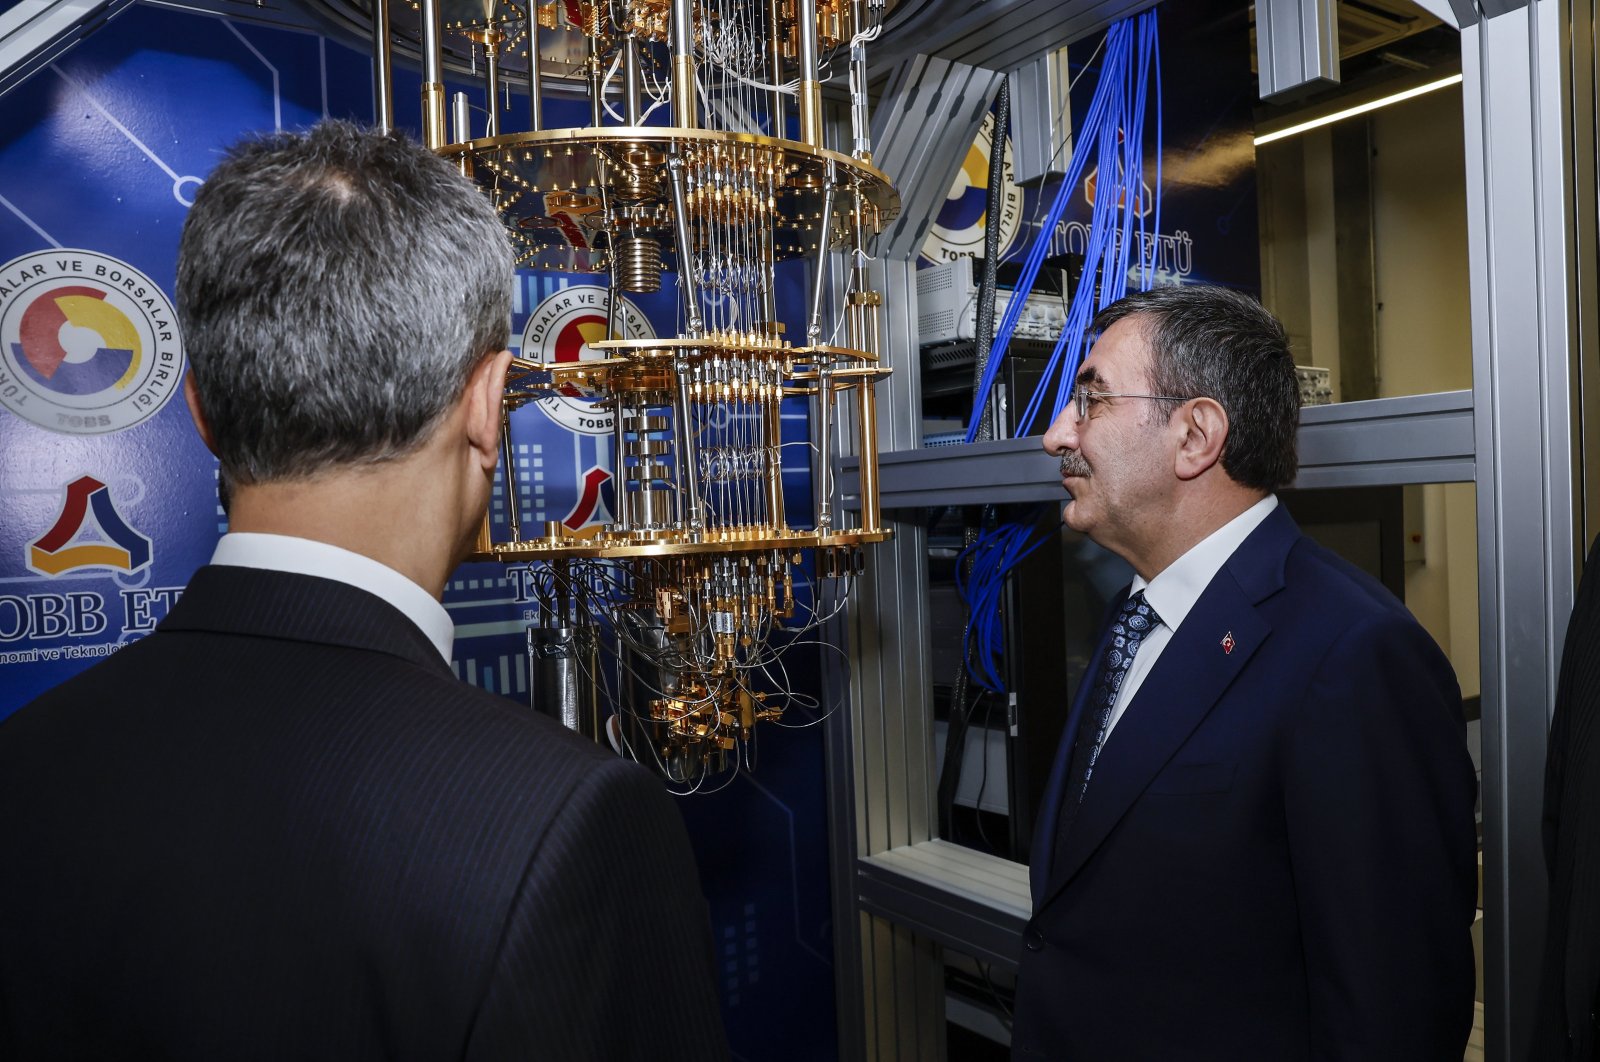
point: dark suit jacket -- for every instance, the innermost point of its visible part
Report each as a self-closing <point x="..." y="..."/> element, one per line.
<point x="1568" y="1029"/>
<point x="1275" y="858"/>
<point x="279" y="827"/>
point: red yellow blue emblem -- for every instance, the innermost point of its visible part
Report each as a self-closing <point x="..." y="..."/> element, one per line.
<point x="89" y="532"/>
<point x="88" y="344"/>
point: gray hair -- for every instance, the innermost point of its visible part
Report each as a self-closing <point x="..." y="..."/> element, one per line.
<point x="1215" y="343"/>
<point x="335" y="290"/>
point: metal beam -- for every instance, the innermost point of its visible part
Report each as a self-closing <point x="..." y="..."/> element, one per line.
<point x="1519" y="222"/>
<point x="966" y="900"/>
<point x="996" y="34"/>
<point x="1415" y="439"/>
<point x="35" y="33"/>
<point x="1297" y="44"/>
<point x="925" y="125"/>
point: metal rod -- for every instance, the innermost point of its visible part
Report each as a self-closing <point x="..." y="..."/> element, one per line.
<point x="680" y="219"/>
<point x="824" y="441"/>
<point x="513" y="495"/>
<point x="491" y="67"/>
<point x="688" y="485"/>
<point x="382" y="69"/>
<point x="773" y="438"/>
<point x="631" y="84"/>
<point x="460" y="118"/>
<point x="819" y="278"/>
<point x="535" y="74"/>
<point x="597" y="102"/>
<point x="810" y="100"/>
<point x="775" y="57"/>
<point x="619" y="464"/>
<point x="867" y="396"/>
<point x="682" y="42"/>
<point x="433" y="131"/>
<point x="619" y="479"/>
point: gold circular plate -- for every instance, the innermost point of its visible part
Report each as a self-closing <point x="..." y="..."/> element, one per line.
<point x="622" y="545"/>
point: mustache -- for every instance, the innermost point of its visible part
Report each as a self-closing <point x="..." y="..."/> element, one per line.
<point x="1073" y="464"/>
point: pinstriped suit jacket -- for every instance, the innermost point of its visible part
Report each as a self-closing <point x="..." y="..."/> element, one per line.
<point x="280" y="828"/>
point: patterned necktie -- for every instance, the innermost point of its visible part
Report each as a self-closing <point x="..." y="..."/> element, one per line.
<point x="1133" y="624"/>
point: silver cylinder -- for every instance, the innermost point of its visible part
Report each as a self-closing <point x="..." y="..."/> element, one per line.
<point x="806" y="16"/>
<point x="433" y="132"/>
<point x="460" y="118"/>
<point x="382" y="69"/>
<point x="681" y="41"/>
<point x="775" y="63"/>
<point x="563" y="667"/>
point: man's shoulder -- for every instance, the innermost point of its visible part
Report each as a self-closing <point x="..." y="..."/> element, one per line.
<point x="392" y="714"/>
<point x="1339" y="588"/>
<point x="1332" y="610"/>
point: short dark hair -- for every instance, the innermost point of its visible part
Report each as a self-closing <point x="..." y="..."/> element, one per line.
<point x="1219" y="344"/>
<point x="335" y="290"/>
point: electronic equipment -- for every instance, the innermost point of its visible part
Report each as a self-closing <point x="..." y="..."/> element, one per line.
<point x="947" y="302"/>
<point x="1316" y="387"/>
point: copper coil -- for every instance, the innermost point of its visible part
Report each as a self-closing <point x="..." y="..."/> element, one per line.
<point x="638" y="263"/>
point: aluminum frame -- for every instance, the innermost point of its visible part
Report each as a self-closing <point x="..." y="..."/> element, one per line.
<point x="1515" y="436"/>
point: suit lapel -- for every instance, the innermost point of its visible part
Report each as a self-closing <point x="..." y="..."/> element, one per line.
<point x="1194" y="671"/>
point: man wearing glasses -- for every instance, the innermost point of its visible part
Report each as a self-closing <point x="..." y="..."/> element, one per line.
<point x="1258" y="839"/>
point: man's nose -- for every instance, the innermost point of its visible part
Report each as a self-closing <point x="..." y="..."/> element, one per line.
<point x="1063" y="433"/>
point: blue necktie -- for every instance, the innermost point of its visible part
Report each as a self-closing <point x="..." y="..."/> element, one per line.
<point x="1133" y="624"/>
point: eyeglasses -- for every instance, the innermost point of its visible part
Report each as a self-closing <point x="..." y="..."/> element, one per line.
<point x="1082" y="398"/>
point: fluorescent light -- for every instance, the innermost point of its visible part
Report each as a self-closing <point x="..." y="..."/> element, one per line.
<point x="1351" y="112"/>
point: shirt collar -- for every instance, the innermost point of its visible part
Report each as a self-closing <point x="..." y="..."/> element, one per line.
<point x="304" y="556"/>
<point x="1174" y="591"/>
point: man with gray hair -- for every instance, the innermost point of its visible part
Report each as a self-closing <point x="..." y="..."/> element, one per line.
<point x="1258" y="839"/>
<point x="279" y="827"/>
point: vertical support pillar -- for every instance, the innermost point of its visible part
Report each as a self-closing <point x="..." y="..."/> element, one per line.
<point x="880" y="785"/>
<point x="433" y="130"/>
<point x="1515" y="68"/>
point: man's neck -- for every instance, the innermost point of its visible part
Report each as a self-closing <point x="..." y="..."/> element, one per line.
<point x="1188" y="523"/>
<point x="383" y="512"/>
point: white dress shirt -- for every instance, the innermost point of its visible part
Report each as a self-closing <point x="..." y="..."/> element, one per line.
<point x="1174" y="591"/>
<point x="287" y="553"/>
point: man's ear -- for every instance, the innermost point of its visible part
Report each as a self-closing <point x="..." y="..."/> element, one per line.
<point x="1204" y="424"/>
<point x="482" y="400"/>
<point x="191" y="395"/>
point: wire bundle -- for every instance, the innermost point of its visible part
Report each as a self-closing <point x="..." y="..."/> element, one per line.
<point x="996" y="551"/>
<point x="1115" y="126"/>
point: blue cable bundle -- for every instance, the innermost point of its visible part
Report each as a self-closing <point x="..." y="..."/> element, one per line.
<point x="1115" y="125"/>
<point x="993" y="555"/>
